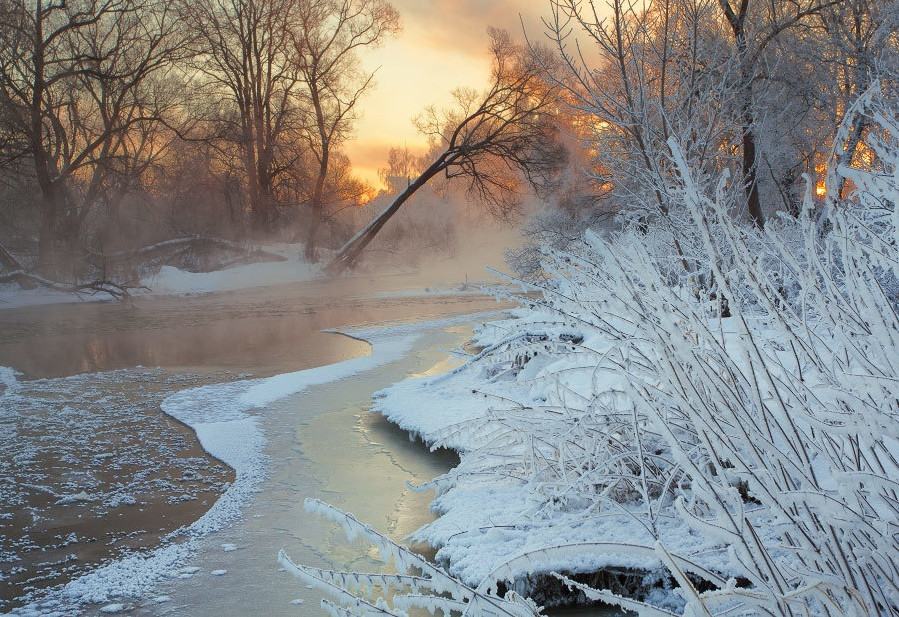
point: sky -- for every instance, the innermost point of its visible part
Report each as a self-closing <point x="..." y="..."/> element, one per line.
<point x="443" y="45"/>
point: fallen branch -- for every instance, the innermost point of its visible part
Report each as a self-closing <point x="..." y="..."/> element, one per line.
<point x="187" y="242"/>
<point x="11" y="264"/>
<point x="116" y="290"/>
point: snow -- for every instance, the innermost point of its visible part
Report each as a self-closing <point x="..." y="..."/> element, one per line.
<point x="224" y="418"/>
<point x="623" y="421"/>
<point x="81" y="496"/>
<point x="173" y="281"/>
<point x="113" y="608"/>
<point x="490" y="517"/>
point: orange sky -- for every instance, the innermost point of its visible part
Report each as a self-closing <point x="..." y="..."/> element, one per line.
<point x="442" y="46"/>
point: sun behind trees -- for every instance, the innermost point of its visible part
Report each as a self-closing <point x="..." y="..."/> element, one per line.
<point x="126" y="123"/>
<point x="491" y="141"/>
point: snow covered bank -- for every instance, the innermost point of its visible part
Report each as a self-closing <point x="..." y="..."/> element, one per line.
<point x="512" y="508"/>
<point x="736" y="422"/>
<point x="172" y="281"/>
<point x="224" y="417"/>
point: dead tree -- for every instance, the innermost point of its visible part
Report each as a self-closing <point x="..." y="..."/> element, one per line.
<point x="490" y="141"/>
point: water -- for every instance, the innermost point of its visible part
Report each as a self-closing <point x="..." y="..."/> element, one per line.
<point x="323" y="442"/>
<point x="260" y="331"/>
<point x="91" y="469"/>
<point x="331" y="447"/>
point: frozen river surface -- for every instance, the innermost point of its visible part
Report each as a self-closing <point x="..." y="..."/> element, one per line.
<point x="235" y="367"/>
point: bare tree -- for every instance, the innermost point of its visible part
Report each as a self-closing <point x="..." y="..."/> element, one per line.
<point x="74" y="85"/>
<point x="246" y="50"/>
<point x="637" y="75"/>
<point x="331" y="32"/>
<point x="488" y="141"/>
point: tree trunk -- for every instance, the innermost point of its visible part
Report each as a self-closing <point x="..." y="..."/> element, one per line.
<point x="737" y="21"/>
<point x="318" y="207"/>
<point x="46" y="242"/>
<point x="750" y="177"/>
<point x="49" y="201"/>
<point x="348" y="255"/>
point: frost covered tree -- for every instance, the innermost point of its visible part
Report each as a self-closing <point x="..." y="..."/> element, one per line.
<point x="638" y="73"/>
<point x="757" y="88"/>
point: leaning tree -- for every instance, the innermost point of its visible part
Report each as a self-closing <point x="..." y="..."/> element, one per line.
<point x="490" y="140"/>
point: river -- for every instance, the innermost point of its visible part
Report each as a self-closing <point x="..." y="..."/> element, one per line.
<point x="93" y="469"/>
<point x="97" y="471"/>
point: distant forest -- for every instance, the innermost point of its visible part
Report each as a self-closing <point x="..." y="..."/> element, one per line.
<point x="125" y="124"/>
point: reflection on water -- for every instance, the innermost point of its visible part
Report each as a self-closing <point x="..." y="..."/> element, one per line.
<point x="263" y="332"/>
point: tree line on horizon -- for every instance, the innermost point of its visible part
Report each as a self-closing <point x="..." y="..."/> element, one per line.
<point x="125" y="123"/>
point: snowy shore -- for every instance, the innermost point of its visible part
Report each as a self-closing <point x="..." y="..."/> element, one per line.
<point x="225" y="419"/>
<point x="498" y="519"/>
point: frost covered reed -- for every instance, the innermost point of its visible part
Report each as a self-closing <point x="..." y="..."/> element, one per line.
<point x="731" y="429"/>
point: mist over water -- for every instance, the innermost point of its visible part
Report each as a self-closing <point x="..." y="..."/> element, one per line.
<point x="215" y="337"/>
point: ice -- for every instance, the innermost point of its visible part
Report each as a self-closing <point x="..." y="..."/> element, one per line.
<point x="75" y="498"/>
<point x="113" y="608"/>
<point x="189" y="570"/>
<point x="218" y="572"/>
<point x="227" y="547"/>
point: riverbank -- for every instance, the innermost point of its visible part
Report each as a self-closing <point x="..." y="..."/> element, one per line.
<point x="279" y="310"/>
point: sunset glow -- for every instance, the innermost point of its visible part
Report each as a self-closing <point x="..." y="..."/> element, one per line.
<point x="443" y="46"/>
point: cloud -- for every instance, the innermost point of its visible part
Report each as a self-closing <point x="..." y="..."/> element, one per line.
<point x="461" y="25"/>
<point x="444" y="45"/>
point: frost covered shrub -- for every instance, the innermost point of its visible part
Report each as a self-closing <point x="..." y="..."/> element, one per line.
<point x="418" y="584"/>
<point x="776" y="431"/>
<point x="626" y="420"/>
